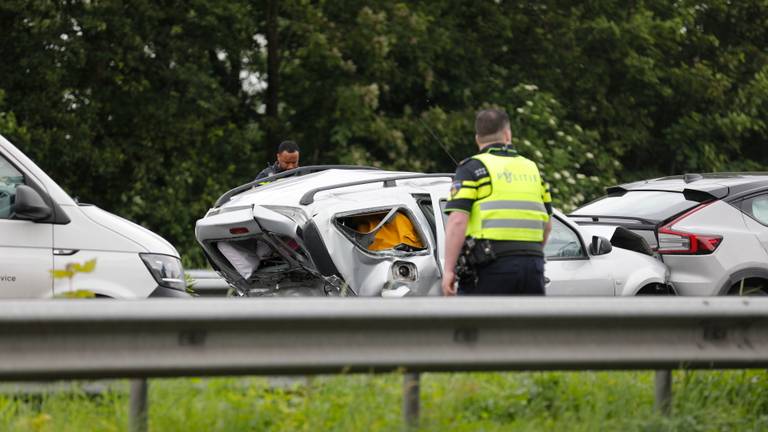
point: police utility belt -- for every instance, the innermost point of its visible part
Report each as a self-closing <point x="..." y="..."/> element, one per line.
<point x="478" y="253"/>
<point x="475" y="253"/>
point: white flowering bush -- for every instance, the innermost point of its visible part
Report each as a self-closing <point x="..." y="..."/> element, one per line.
<point x="569" y="157"/>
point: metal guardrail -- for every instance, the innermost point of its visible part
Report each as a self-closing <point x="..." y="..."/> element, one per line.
<point x="208" y="283"/>
<point x="167" y="337"/>
<point x="173" y="337"/>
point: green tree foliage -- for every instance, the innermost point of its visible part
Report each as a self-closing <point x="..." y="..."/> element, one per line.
<point x="153" y="109"/>
<point x="8" y="123"/>
<point x="573" y="163"/>
<point x="138" y="108"/>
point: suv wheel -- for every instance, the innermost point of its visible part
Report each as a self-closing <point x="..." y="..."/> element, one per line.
<point x="750" y="287"/>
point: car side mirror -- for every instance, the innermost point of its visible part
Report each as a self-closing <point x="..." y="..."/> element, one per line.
<point x="30" y="205"/>
<point x="600" y="246"/>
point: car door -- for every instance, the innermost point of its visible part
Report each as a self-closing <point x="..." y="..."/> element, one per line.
<point x="376" y="263"/>
<point x="438" y="194"/>
<point x="569" y="270"/>
<point x="26" y="248"/>
<point x="430" y="208"/>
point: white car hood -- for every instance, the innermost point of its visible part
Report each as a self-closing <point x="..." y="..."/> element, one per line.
<point x="143" y="237"/>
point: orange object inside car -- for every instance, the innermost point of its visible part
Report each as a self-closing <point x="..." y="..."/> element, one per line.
<point x="399" y="230"/>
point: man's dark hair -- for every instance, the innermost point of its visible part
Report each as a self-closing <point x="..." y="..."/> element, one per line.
<point x="490" y="122"/>
<point x="287" y="146"/>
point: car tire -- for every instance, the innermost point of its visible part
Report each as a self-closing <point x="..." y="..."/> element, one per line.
<point x="750" y="287"/>
<point x="656" y="289"/>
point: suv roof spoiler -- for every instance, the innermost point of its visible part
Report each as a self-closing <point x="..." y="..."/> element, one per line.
<point x="290" y="173"/>
<point x="700" y="192"/>
<point x="714" y="192"/>
<point x="309" y="197"/>
<point x="596" y="219"/>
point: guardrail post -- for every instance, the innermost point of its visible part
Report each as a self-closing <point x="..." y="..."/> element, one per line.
<point x="664" y="391"/>
<point x="411" y="387"/>
<point x="137" y="416"/>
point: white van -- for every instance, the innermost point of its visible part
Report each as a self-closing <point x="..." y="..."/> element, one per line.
<point x="50" y="245"/>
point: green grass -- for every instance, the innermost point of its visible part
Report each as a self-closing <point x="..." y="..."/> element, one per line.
<point x="546" y="401"/>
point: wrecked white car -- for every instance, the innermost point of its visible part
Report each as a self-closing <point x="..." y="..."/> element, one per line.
<point x="340" y="230"/>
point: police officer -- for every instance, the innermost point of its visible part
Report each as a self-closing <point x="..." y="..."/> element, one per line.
<point x="500" y="204"/>
<point x="287" y="158"/>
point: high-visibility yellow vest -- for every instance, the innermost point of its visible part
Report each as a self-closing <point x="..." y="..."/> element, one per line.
<point x="514" y="209"/>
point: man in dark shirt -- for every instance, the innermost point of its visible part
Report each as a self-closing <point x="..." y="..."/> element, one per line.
<point x="287" y="159"/>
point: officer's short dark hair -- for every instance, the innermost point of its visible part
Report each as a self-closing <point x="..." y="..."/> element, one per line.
<point x="288" y="146"/>
<point x="490" y="122"/>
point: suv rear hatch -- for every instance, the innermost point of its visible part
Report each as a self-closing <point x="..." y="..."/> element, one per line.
<point x="268" y="251"/>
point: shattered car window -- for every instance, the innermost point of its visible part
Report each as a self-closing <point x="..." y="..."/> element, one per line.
<point x="385" y="230"/>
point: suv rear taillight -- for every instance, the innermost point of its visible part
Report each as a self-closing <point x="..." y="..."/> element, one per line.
<point x="675" y="242"/>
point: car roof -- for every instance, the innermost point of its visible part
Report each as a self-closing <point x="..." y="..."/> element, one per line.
<point x="290" y="191"/>
<point x="717" y="185"/>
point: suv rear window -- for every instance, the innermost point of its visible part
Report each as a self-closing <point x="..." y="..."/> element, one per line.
<point x="757" y="207"/>
<point x="652" y="205"/>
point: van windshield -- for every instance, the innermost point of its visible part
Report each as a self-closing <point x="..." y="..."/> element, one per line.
<point x="652" y="205"/>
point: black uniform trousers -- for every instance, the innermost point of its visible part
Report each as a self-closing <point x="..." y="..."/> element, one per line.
<point x="521" y="275"/>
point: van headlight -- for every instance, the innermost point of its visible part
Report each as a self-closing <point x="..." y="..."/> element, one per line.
<point x="167" y="270"/>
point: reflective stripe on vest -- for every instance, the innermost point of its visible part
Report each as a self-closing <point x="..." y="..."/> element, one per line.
<point x="514" y="209"/>
<point x="513" y="205"/>
<point x="513" y="223"/>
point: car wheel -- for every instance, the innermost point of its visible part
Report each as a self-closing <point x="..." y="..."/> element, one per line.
<point x="750" y="287"/>
<point x="655" y="289"/>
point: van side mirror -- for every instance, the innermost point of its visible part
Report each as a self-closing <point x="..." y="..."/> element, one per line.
<point x="600" y="246"/>
<point x="30" y="205"/>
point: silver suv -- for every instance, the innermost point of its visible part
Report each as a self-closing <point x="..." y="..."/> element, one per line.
<point x="710" y="229"/>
